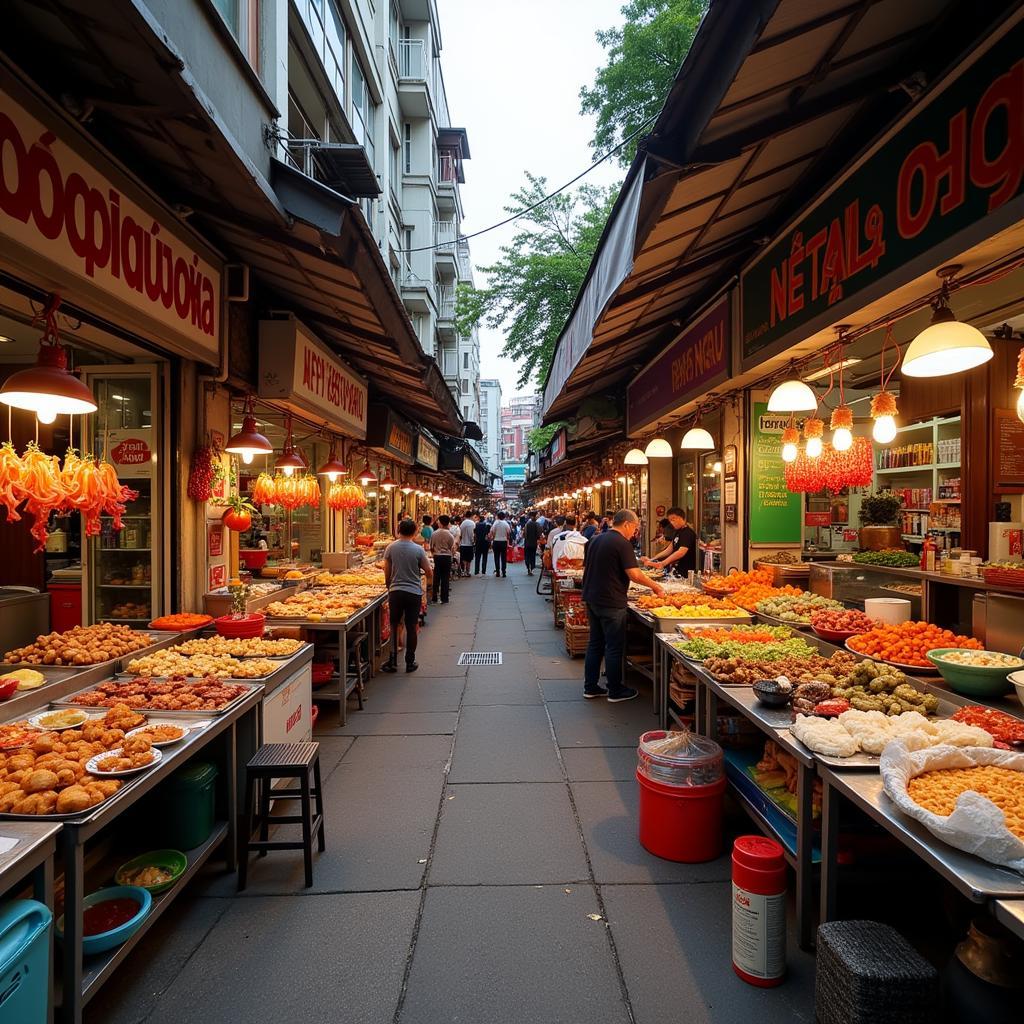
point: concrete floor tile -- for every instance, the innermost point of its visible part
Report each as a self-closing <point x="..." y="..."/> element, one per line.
<point x="608" y="814"/>
<point x="374" y="756"/>
<point x="507" y="834"/>
<point x="674" y="944"/>
<point x="404" y="693"/>
<point x="316" y="958"/>
<point x="414" y="723"/>
<point x="332" y="750"/>
<point x="557" y="690"/>
<point x="482" y="690"/>
<point x="154" y="964"/>
<point x="600" y="724"/>
<point x="510" y="956"/>
<point x="599" y="764"/>
<point x="504" y="744"/>
<point x="557" y="666"/>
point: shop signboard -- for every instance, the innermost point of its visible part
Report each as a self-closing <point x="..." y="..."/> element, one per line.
<point x="558" y="448"/>
<point x="775" y="512"/>
<point x="1008" y="452"/>
<point x="467" y="467"/>
<point x="513" y="472"/>
<point x="817" y="519"/>
<point x="948" y="175"/>
<point x="298" y="370"/>
<point x="130" y="452"/>
<point x="426" y="452"/>
<point x="388" y="433"/>
<point x="66" y="208"/>
<point x="730" y="482"/>
<point x="695" y="362"/>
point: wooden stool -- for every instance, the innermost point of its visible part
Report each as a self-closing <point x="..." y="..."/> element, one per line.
<point x="283" y="761"/>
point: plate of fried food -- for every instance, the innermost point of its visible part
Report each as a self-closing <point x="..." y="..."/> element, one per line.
<point x="166" y="734"/>
<point x="135" y="754"/>
<point x="16" y="735"/>
<point x="59" y="719"/>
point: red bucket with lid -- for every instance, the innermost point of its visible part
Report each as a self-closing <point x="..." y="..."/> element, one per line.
<point x="759" y="910"/>
<point x="681" y="794"/>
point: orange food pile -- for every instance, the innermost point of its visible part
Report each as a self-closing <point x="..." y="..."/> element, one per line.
<point x="737" y="636"/>
<point x="181" y="620"/>
<point x="748" y="596"/>
<point x="736" y="580"/>
<point x="683" y="601"/>
<point x="908" y="643"/>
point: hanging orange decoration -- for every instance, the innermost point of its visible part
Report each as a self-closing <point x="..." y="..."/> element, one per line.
<point x="813" y="427"/>
<point x="263" y="491"/>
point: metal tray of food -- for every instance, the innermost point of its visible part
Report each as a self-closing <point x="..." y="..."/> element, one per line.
<point x="126" y="676"/>
<point x="249" y="688"/>
<point x="668" y="623"/>
<point x="772" y="620"/>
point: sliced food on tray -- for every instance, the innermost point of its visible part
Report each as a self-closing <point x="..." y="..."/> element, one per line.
<point x="208" y="694"/>
<point x="81" y="645"/>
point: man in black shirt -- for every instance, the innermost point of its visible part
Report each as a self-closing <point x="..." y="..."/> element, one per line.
<point x="531" y="534"/>
<point x="483" y="546"/>
<point x="683" y="556"/>
<point x="609" y="563"/>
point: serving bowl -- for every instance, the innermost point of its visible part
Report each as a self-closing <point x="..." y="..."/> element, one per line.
<point x="836" y="636"/>
<point x="241" y="627"/>
<point x="173" y="861"/>
<point x="972" y="680"/>
<point x="766" y="692"/>
<point x="103" y="941"/>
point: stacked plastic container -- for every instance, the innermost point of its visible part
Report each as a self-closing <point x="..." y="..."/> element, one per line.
<point x="682" y="782"/>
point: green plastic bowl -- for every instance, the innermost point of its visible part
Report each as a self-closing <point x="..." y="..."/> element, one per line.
<point x="971" y="680"/>
<point x="171" y="860"/>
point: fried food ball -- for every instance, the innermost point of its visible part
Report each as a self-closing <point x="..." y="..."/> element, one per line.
<point x="20" y="761"/>
<point x="8" y="787"/>
<point x="137" y="745"/>
<point x="41" y="779"/>
<point x="8" y="800"/>
<point x="36" y="803"/>
<point x="74" y="798"/>
<point x="44" y="745"/>
<point x="108" y="787"/>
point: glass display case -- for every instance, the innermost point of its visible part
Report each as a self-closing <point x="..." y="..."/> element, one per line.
<point x="853" y="584"/>
<point x="122" y="580"/>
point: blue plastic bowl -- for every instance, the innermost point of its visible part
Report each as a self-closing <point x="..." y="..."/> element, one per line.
<point x="122" y="933"/>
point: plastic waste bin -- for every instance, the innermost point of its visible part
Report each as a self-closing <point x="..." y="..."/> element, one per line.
<point x="682" y="779"/>
<point x="24" y="962"/>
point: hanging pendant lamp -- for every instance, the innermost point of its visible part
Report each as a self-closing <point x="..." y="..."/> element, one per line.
<point x="249" y="442"/>
<point x="635" y="457"/>
<point x="332" y="468"/>
<point x="48" y="389"/>
<point x="946" y="345"/>
<point x="367" y="475"/>
<point x="792" y="396"/>
<point x="697" y="439"/>
<point x="658" y="448"/>
<point x="290" y="458"/>
<point x="388" y="483"/>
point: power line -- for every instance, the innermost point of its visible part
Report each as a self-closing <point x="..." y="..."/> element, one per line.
<point x="540" y="202"/>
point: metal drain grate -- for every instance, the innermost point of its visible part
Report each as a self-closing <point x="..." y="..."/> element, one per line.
<point x="480" y="658"/>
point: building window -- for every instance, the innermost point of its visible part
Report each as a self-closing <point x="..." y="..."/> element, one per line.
<point x="393" y="167"/>
<point x="362" y="111"/>
<point x="334" y="52"/>
<point x="465" y="412"/>
<point x="465" y="360"/>
<point x="242" y="18"/>
<point x="393" y="29"/>
<point x="407" y="147"/>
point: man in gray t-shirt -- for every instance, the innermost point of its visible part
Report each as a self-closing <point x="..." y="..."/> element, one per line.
<point x="403" y="563"/>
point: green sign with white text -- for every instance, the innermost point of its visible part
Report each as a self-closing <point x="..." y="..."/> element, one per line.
<point x="775" y="512"/>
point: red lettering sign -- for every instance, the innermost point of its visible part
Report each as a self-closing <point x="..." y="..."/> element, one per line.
<point x="132" y="451"/>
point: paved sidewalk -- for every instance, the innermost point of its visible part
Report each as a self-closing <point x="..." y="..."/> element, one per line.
<point x="482" y="866"/>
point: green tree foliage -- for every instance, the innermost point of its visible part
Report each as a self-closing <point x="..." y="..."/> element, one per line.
<point x="532" y="286"/>
<point x="644" y="55"/>
<point x="538" y="439"/>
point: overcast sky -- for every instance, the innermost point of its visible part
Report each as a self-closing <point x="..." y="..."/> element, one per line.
<point x="513" y="73"/>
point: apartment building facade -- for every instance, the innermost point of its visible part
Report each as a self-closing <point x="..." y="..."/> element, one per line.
<point x="518" y="417"/>
<point x="490" y="425"/>
<point x="367" y="73"/>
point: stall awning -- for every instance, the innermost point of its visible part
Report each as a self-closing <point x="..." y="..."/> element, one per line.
<point x="773" y="97"/>
<point x="115" y="62"/>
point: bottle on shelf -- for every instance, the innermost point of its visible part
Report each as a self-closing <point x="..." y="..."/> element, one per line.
<point x="928" y="555"/>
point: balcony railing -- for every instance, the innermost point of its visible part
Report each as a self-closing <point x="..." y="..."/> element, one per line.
<point x="411" y="60"/>
<point x="446" y="306"/>
<point x="445" y="236"/>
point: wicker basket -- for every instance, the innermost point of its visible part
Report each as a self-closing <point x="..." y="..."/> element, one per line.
<point x="576" y="639"/>
<point x="1004" y="577"/>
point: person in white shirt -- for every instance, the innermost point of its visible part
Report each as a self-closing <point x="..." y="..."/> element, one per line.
<point x="467" y="542"/>
<point x="567" y="543"/>
<point x="499" y="535"/>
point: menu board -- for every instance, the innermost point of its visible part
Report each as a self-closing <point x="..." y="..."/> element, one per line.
<point x="1007" y="451"/>
<point x="775" y="512"/>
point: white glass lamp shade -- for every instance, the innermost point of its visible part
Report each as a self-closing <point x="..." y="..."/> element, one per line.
<point x="945" y="346"/>
<point x="658" y="448"/>
<point x="792" y="396"/>
<point x="697" y="439"/>
<point x="635" y="457"/>
<point x="884" y="429"/>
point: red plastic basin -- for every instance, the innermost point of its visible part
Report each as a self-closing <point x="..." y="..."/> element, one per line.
<point x="253" y="558"/>
<point x="241" y="627"/>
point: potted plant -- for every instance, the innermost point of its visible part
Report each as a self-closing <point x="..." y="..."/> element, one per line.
<point x="879" y="521"/>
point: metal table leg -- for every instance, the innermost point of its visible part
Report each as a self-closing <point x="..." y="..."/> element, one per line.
<point x="343" y="675"/>
<point x="711" y="714"/>
<point x="42" y="890"/>
<point x="804" y="865"/>
<point x="655" y="659"/>
<point x="231" y="756"/>
<point x="829" y="850"/>
<point x="74" y="893"/>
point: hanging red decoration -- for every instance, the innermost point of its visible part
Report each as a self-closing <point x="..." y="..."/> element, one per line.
<point x="832" y="470"/>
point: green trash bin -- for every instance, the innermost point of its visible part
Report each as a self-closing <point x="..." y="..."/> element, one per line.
<point x="184" y="810"/>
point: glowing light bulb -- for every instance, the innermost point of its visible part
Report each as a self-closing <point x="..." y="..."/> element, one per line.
<point x="45" y="415"/>
<point x="1020" y="406"/>
<point x="287" y="470"/>
<point x="813" y="447"/>
<point x="332" y="477"/>
<point x="247" y="457"/>
<point x="884" y="429"/>
<point x="789" y="453"/>
<point x="842" y="439"/>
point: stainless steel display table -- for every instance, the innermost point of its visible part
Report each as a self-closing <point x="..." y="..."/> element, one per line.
<point x="1011" y="914"/>
<point x="341" y="687"/>
<point x="643" y="622"/>
<point x="976" y="879"/>
<point x="30" y="861"/>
